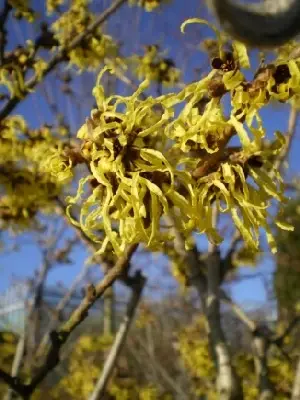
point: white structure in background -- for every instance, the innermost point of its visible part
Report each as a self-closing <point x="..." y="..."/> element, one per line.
<point x="13" y="305"/>
<point x="15" y="301"/>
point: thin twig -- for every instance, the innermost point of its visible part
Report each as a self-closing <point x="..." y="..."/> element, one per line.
<point x="90" y="243"/>
<point x="255" y="329"/>
<point x="280" y="339"/>
<point x="34" y="309"/>
<point x="162" y="371"/>
<point x="289" y="137"/>
<point x="261" y="346"/>
<point x="120" y="338"/>
<point x="58" y="310"/>
<point x="240" y="313"/>
<point x="59" y="337"/>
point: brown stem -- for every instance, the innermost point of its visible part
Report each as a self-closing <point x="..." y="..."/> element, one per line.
<point x="292" y="122"/>
<point x="210" y="162"/>
<point x="91" y="245"/>
<point x="13" y="383"/>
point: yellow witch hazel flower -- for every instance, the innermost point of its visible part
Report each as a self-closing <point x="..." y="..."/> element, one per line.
<point x="94" y="50"/>
<point x="53" y="5"/>
<point x="130" y="179"/>
<point x="58" y="164"/>
<point x="10" y="147"/>
<point x="149" y="5"/>
<point x="22" y="9"/>
<point x="146" y="162"/>
<point x="153" y="66"/>
<point x="33" y="169"/>
<point x="12" y="78"/>
<point x="222" y="175"/>
<point x="26" y="194"/>
<point x="13" y="71"/>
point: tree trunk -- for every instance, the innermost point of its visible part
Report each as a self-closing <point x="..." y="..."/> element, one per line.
<point x="228" y="383"/>
<point x="260" y="349"/>
<point x="208" y="287"/>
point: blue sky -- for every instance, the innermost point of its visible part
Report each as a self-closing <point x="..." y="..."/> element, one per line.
<point x="162" y="28"/>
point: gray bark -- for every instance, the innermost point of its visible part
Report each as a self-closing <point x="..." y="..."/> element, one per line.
<point x="208" y="288"/>
<point x="228" y="383"/>
<point x="296" y="388"/>
<point x="260" y="349"/>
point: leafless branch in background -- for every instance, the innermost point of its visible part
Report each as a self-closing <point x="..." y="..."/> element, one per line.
<point x="260" y="351"/>
<point x="60" y="336"/>
<point x="110" y="363"/>
<point x="59" y="309"/>
<point x="289" y="137"/>
<point x="163" y="374"/>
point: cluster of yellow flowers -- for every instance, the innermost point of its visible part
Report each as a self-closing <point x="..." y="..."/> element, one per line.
<point x="156" y="68"/>
<point x="22" y="9"/>
<point x="33" y="169"/>
<point x="149" y="5"/>
<point x="78" y="384"/>
<point x="194" y="350"/>
<point x="17" y="64"/>
<point x="193" y="347"/>
<point x="95" y="48"/>
<point x="53" y="5"/>
<point x="146" y="160"/>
